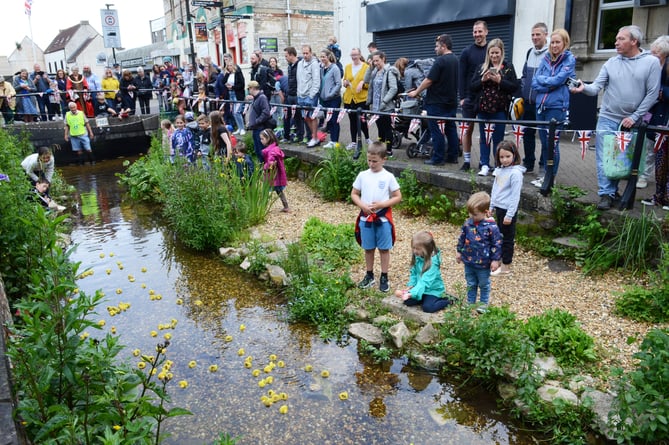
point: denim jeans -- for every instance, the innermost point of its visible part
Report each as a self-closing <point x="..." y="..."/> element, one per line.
<point x="529" y="138"/>
<point x="606" y="186"/>
<point x="333" y="125"/>
<point x="429" y="303"/>
<point x="545" y="116"/>
<point x="237" y="110"/>
<point x="477" y="278"/>
<point x="450" y="131"/>
<point x="257" y="144"/>
<point x="497" y="136"/>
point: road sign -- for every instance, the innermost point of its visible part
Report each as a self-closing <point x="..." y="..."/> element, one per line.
<point x="206" y="4"/>
<point x="111" y="32"/>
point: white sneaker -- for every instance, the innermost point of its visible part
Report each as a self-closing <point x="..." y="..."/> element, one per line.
<point x="352" y="146"/>
<point x="242" y="132"/>
<point x="369" y="141"/>
<point x="484" y="170"/>
<point x="641" y="183"/>
<point x="539" y="182"/>
<point x="312" y="143"/>
<point x="330" y="145"/>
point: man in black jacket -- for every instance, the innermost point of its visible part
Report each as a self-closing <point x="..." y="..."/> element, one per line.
<point x="294" y="119"/>
<point x="145" y="92"/>
<point x="260" y="73"/>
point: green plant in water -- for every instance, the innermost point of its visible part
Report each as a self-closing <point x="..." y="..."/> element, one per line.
<point x="71" y="387"/>
<point x="145" y="177"/>
<point x="336" y="174"/>
<point x="330" y="246"/>
<point x="648" y="303"/>
<point x="557" y="333"/>
<point x="379" y="354"/>
<point x="641" y="413"/>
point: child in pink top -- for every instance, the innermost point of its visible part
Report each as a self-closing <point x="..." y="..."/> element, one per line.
<point x="274" y="166"/>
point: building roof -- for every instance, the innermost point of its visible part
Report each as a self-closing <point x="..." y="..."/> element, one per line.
<point x="63" y="37"/>
<point x="73" y="57"/>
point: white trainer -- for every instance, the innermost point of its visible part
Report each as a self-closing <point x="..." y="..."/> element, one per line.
<point x="484" y="170"/>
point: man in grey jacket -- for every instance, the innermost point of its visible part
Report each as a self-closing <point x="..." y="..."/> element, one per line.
<point x="532" y="62"/>
<point x="632" y="80"/>
<point x="308" y="85"/>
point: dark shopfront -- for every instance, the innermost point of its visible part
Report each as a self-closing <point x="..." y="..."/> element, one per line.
<point x="407" y="28"/>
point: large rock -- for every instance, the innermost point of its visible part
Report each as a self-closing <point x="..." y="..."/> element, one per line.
<point x="430" y="362"/>
<point x="246" y="264"/>
<point x="399" y="333"/>
<point x="276" y="274"/>
<point x="413" y="313"/>
<point x="368" y="332"/>
<point x="358" y="313"/>
<point x="427" y="335"/>
<point x="549" y="393"/>
<point x="547" y="366"/>
<point x="602" y="404"/>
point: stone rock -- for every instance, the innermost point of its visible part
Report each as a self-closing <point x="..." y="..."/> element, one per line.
<point x="226" y="251"/>
<point x="365" y="331"/>
<point x="383" y="319"/>
<point x="357" y="312"/>
<point x="413" y="313"/>
<point x="399" y="333"/>
<point x="579" y="383"/>
<point x="548" y="393"/>
<point x="602" y="404"/>
<point x="255" y="234"/>
<point x="547" y="366"/>
<point x="438" y="418"/>
<point x="427" y="335"/>
<point x="246" y="264"/>
<point x="275" y="256"/>
<point x="429" y="362"/>
<point x="506" y="390"/>
<point x="276" y="274"/>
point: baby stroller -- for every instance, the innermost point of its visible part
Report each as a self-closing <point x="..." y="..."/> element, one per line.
<point x="403" y="129"/>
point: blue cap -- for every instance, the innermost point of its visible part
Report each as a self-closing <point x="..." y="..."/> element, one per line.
<point x="189" y="116"/>
<point x="229" y="127"/>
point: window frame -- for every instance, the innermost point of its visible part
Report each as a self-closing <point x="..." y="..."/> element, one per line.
<point x="604" y="6"/>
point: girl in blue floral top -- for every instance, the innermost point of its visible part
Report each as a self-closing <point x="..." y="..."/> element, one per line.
<point x="479" y="248"/>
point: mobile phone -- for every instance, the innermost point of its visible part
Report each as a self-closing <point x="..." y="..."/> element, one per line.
<point x="492" y="70"/>
<point x="573" y="83"/>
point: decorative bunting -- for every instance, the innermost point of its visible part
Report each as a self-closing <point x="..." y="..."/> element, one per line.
<point x="285" y="113"/>
<point x="272" y="111"/>
<point x="341" y="115"/>
<point x="463" y="127"/>
<point x="293" y="109"/>
<point x="556" y="138"/>
<point x="584" y="138"/>
<point x="394" y="119"/>
<point x="328" y="115"/>
<point x="373" y="118"/>
<point x="624" y="138"/>
<point x="518" y="132"/>
<point x="659" y="140"/>
<point x="442" y="126"/>
<point x="314" y="114"/>
<point x="489" y="129"/>
<point x="413" y="125"/>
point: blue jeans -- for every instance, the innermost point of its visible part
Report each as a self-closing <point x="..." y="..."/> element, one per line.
<point x="606" y="186"/>
<point x="545" y="116"/>
<point x="529" y="138"/>
<point x="236" y="110"/>
<point x="497" y="136"/>
<point x="429" y="303"/>
<point x="450" y="131"/>
<point x="257" y="144"/>
<point x="333" y="126"/>
<point x="477" y="278"/>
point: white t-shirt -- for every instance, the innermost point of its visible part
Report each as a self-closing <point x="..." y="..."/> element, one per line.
<point x="375" y="187"/>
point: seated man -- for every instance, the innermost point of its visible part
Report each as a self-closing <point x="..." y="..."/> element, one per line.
<point x="101" y="107"/>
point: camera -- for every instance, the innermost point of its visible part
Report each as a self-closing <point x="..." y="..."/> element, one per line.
<point x="572" y="83"/>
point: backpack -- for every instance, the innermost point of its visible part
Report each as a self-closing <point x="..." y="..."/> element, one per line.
<point x="425" y="65"/>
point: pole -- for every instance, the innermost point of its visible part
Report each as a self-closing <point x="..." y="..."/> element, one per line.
<point x="223" y="36"/>
<point x="190" y="35"/>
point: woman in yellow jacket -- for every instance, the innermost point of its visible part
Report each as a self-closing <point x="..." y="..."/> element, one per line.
<point x="111" y="86"/>
<point x="355" y="94"/>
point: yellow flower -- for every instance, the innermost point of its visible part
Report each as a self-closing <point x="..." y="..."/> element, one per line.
<point x="119" y="291"/>
<point x="183" y="384"/>
<point x="228" y="338"/>
<point x="180" y="301"/>
<point x="136" y="352"/>
<point x="108" y="271"/>
<point x="102" y="323"/>
<point x="84" y="335"/>
<point x="280" y="364"/>
<point x="272" y="357"/>
<point x="154" y="334"/>
<point x="102" y="255"/>
<point x="241" y="352"/>
<point x="213" y="368"/>
<point x="143" y="269"/>
<point x="167" y="336"/>
<point x="115" y="427"/>
<point x="192" y="364"/>
<point x="343" y="395"/>
<point x="325" y="374"/>
<point x="242" y="327"/>
<point x="308" y="368"/>
<point x="283" y="409"/>
<point x="141" y="365"/>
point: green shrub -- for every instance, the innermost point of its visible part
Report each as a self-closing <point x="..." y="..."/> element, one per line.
<point x="557" y="333"/>
<point x="145" y="177"/>
<point x="331" y="246"/>
<point x="642" y="402"/>
<point x="418" y="200"/>
<point x="648" y="303"/>
<point x="336" y="174"/>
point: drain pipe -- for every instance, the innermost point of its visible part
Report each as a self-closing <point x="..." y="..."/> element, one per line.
<point x="288" y="13"/>
<point x="569" y="6"/>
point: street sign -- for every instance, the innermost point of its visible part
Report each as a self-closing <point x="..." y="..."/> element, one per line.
<point x="111" y="31"/>
<point x="206" y="4"/>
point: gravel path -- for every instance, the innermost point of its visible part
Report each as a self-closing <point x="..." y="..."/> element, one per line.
<point x="531" y="289"/>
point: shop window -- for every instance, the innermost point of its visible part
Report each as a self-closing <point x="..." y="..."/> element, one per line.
<point x="613" y="15"/>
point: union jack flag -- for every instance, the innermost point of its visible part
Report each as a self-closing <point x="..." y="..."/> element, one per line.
<point x="328" y="115"/>
<point x="489" y="129"/>
<point x="556" y="138"/>
<point x="394" y="118"/>
<point x="413" y="125"/>
<point x="518" y="132"/>
<point x="373" y="118"/>
<point x="442" y="125"/>
<point x="584" y="137"/>
<point x="341" y="115"/>
<point x="463" y="127"/>
<point x="659" y="140"/>
<point x="624" y="139"/>
<point x="29" y="6"/>
<point x="272" y="110"/>
<point x="314" y="115"/>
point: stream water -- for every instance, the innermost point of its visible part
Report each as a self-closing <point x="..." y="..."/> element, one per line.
<point x="134" y="258"/>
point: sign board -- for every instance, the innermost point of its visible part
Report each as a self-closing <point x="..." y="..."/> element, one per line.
<point x="206" y="4"/>
<point x="101" y="59"/>
<point x="201" y="34"/>
<point x="268" y="44"/>
<point x="111" y="31"/>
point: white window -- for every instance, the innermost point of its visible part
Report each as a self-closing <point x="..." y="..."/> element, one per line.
<point x="613" y="14"/>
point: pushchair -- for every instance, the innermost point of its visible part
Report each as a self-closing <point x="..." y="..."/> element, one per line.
<point x="403" y="129"/>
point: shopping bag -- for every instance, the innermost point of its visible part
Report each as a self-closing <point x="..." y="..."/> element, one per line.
<point x="616" y="159"/>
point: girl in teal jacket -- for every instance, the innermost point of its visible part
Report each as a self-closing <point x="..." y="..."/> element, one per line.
<point x="425" y="287"/>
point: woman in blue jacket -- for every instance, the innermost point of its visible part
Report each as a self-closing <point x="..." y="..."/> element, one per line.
<point x="550" y="84"/>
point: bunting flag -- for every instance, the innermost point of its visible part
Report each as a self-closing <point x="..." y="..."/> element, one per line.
<point x="518" y="132"/>
<point x="394" y="118"/>
<point x="328" y="115"/>
<point x="624" y="138"/>
<point x="293" y="110"/>
<point x="489" y="129"/>
<point x="413" y="125"/>
<point x="463" y="127"/>
<point x="442" y="125"/>
<point x="362" y="117"/>
<point x="556" y="138"/>
<point x="314" y="114"/>
<point x="29" y="6"/>
<point x="373" y="118"/>
<point x="659" y="140"/>
<point x="272" y="111"/>
<point x="584" y="138"/>
<point x="341" y="115"/>
<point x="285" y="113"/>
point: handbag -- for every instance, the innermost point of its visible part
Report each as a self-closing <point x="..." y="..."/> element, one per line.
<point x="270" y="123"/>
<point x="616" y="162"/>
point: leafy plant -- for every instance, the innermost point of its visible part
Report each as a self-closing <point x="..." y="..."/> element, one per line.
<point x="331" y="246"/>
<point x="556" y="332"/>
<point x="336" y="174"/>
<point x="144" y="178"/>
<point x="380" y="354"/>
<point x="417" y="200"/>
<point x="642" y="403"/>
